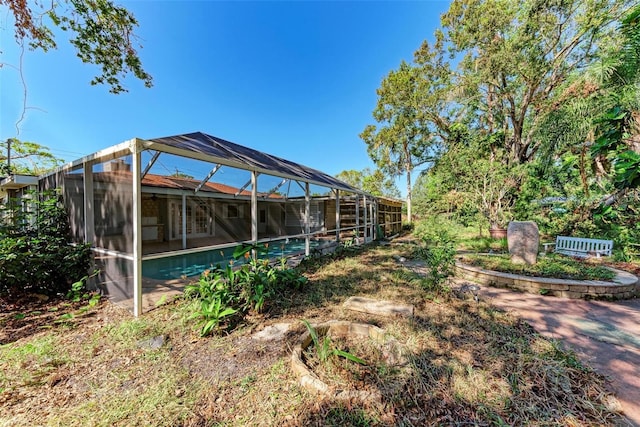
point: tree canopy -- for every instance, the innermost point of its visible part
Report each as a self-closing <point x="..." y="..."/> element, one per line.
<point x="27" y="158"/>
<point x="536" y="100"/>
<point x="101" y="32"/>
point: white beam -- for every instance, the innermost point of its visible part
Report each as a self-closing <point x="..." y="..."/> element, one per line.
<point x="357" y="201"/>
<point x="304" y="188"/>
<point x="244" y="186"/>
<point x="254" y="208"/>
<point x="89" y="229"/>
<point x="184" y="221"/>
<point x="150" y="164"/>
<point x="372" y="220"/>
<point x="276" y="188"/>
<point x="137" y="230"/>
<point x="364" y="208"/>
<point x="211" y="173"/>
<point x="307" y="215"/>
<point x="337" y="192"/>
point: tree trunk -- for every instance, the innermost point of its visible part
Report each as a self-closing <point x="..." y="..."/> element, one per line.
<point x="409" y="196"/>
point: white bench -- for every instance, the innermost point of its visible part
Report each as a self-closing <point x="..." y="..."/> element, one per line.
<point x="581" y="247"/>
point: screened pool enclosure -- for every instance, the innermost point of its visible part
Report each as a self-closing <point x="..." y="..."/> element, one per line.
<point x="161" y="210"/>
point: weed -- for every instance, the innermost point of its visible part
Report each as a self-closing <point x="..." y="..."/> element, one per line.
<point x="439" y="256"/>
<point x="325" y="348"/>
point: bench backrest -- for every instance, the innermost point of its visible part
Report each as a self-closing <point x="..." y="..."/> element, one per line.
<point x="584" y="245"/>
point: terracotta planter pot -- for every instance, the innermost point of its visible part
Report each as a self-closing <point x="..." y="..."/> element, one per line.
<point x="498" y="233"/>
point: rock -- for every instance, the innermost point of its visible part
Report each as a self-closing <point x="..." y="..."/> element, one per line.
<point x="272" y="332"/>
<point x="152" y="343"/>
<point x="523" y="239"/>
<point x="379" y="307"/>
<point x="399" y="258"/>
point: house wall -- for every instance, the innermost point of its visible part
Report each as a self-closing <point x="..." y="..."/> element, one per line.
<point x="113" y="216"/>
<point x="230" y="229"/>
<point x="275" y="219"/>
<point x="294" y="221"/>
<point x="152" y="226"/>
<point x="72" y="185"/>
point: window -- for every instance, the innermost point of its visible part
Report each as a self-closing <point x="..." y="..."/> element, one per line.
<point x="233" y="211"/>
<point x="202" y="218"/>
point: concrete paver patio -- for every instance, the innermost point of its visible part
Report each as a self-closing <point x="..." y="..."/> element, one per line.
<point x="606" y="335"/>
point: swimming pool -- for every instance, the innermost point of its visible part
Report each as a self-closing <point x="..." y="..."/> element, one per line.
<point x="193" y="264"/>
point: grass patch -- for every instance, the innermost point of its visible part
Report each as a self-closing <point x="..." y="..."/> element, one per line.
<point x="548" y="266"/>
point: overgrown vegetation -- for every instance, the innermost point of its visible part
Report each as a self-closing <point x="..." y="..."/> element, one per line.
<point x="550" y="265"/>
<point x="509" y="129"/>
<point x="438" y="250"/>
<point x="222" y="293"/>
<point x="36" y="254"/>
<point x="467" y="363"/>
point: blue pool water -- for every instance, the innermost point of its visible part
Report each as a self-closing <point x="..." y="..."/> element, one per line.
<point x="177" y="266"/>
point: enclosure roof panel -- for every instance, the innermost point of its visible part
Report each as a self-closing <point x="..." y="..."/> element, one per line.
<point x="161" y="181"/>
<point x="237" y="155"/>
<point x="151" y="180"/>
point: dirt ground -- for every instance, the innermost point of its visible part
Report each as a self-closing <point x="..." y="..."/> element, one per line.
<point x="23" y="317"/>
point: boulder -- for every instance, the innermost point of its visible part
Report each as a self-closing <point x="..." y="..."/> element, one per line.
<point x="523" y="238"/>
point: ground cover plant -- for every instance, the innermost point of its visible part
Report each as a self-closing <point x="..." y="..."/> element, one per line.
<point x="550" y="265"/>
<point x="466" y="362"/>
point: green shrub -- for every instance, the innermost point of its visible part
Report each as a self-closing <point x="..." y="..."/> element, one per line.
<point x="223" y="292"/>
<point x="436" y="229"/>
<point x="439" y="258"/>
<point x="36" y="255"/>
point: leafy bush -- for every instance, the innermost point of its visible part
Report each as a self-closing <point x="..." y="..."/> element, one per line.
<point x="223" y="292"/>
<point x="36" y="255"/>
<point x="407" y="226"/>
<point x="438" y="252"/>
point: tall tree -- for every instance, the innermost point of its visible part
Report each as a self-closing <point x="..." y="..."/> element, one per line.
<point x="410" y="115"/>
<point x="376" y="182"/>
<point x="516" y="55"/>
<point x="101" y="31"/>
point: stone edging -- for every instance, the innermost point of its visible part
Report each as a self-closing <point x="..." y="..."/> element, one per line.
<point x="624" y="286"/>
<point x="311" y="382"/>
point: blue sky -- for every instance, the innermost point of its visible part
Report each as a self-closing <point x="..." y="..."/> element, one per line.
<point x="296" y="79"/>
